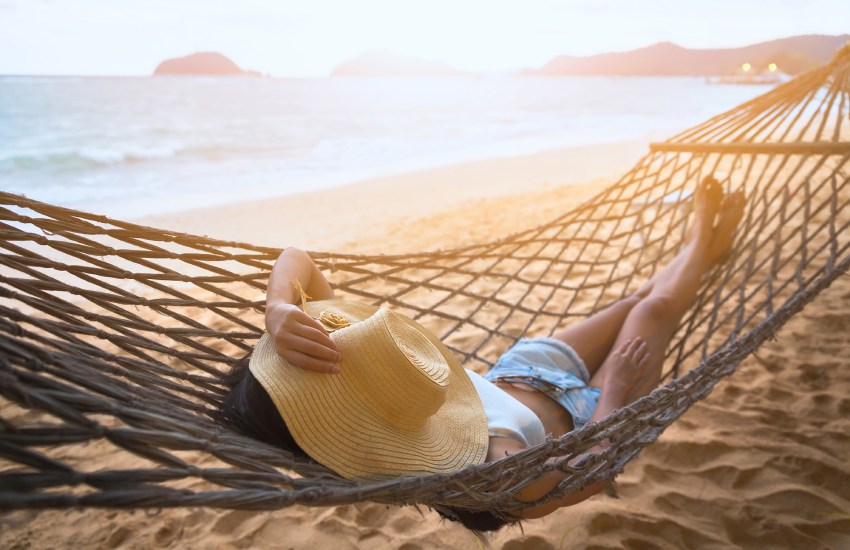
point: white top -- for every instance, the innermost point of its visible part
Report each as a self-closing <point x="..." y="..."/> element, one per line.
<point x="507" y="417"/>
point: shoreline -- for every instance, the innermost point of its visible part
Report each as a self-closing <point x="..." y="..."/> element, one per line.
<point x="330" y="218"/>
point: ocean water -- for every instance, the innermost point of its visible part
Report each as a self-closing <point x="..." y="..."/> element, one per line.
<point x="131" y="147"/>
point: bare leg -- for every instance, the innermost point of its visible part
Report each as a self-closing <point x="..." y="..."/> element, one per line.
<point x="731" y="212"/>
<point x="593" y="338"/>
<point x="655" y="318"/>
<point x="674" y="289"/>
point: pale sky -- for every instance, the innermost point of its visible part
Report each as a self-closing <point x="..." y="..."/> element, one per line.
<point x="310" y="37"/>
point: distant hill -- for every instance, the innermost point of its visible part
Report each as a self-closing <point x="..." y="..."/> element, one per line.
<point x="383" y="63"/>
<point x="792" y="55"/>
<point x="202" y="63"/>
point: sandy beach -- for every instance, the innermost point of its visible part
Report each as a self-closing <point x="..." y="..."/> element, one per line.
<point x="760" y="463"/>
<point x="357" y="217"/>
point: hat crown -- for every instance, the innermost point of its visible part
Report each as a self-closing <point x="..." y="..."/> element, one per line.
<point x="413" y="384"/>
<point x="401" y="405"/>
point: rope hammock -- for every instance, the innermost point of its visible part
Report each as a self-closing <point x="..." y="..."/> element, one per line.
<point x="114" y="336"/>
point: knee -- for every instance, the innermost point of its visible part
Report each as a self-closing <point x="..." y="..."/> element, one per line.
<point x="628" y="303"/>
<point x="656" y="310"/>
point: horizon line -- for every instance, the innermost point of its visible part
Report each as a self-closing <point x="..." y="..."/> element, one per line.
<point x="469" y="73"/>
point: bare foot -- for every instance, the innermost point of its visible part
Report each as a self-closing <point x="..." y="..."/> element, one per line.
<point x="731" y="212"/>
<point x="707" y="199"/>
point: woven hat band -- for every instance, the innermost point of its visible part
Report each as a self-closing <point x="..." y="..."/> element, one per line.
<point x="408" y="379"/>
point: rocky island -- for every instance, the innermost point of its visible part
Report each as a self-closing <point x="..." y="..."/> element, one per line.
<point x="202" y="63"/>
<point x="790" y="55"/>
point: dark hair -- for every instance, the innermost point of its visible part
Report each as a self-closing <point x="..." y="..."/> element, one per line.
<point x="477" y="522"/>
<point x="248" y="408"/>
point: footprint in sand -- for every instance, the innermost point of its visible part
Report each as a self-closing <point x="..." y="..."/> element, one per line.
<point x="772" y="363"/>
<point x="726" y="476"/>
<point x="198" y="522"/>
<point x="770" y="520"/>
<point x="656" y="531"/>
<point x="404" y="524"/>
<point x="371" y="514"/>
<point x="796" y="501"/>
<point x="833" y="531"/>
<point x="815" y="377"/>
<point x="813" y="471"/>
<point x="831" y="323"/>
<point x="168" y="533"/>
<point x="237" y="522"/>
<point x="118" y="537"/>
<point x="730" y="393"/>
<point x="367" y="538"/>
<point x="689" y="454"/>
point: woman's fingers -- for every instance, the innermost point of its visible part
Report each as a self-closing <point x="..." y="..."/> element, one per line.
<point x="306" y="344"/>
<point x="639" y="349"/>
<point x="302" y="340"/>
<point x="633" y="344"/>
<point x="312" y="348"/>
<point x="301" y="319"/>
<point x="322" y="339"/>
<point x="634" y="352"/>
<point x="307" y="362"/>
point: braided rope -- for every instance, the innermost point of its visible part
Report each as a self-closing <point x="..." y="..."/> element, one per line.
<point x="114" y="336"/>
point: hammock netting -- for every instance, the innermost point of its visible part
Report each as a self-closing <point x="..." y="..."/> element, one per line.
<point x="114" y="336"/>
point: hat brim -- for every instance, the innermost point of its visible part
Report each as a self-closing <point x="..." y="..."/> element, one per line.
<point x="336" y="430"/>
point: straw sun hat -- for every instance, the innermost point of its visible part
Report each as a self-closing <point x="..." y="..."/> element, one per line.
<point x="401" y="405"/>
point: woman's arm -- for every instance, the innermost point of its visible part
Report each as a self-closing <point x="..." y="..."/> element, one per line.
<point x="626" y="366"/>
<point x="299" y="338"/>
<point x="293" y="264"/>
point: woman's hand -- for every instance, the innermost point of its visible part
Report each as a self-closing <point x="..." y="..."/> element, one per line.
<point x="301" y="340"/>
<point x="626" y="370"/>
<point x="627" y="365"/>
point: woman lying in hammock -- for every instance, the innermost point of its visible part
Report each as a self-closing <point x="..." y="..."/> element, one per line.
<point x="372" y="395"/>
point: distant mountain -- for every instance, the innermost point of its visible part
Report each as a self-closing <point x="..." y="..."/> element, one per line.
<point x="792" y="55"/>
<point x="201" y="63"/>
<point x="383" y="63"/>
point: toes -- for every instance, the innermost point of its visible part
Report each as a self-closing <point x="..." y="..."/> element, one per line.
<point x="731" y="213"/>
<point x="715" y="189"/>
<point x="731" y="209"/>
<point x="725" y="204"/>
<point x="725" y="220"/>
<point x="734" y="210"/>
<point x="704" y="188"/>
<point x="710" y="193"/>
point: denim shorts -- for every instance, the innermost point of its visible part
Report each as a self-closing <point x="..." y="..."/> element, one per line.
<point x="553" y="368"/>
